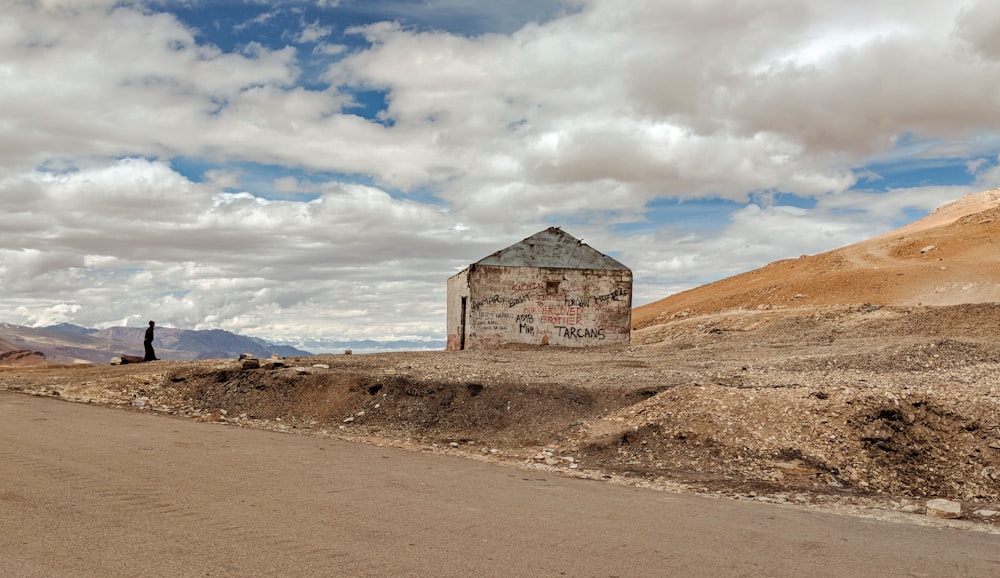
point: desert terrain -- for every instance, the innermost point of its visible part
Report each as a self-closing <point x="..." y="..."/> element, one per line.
<point x="863" y="380"/>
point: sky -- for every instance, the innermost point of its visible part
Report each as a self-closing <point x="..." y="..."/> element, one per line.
<point x="309" y="171"/>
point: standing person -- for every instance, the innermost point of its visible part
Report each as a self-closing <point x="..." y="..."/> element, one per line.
<point x="147" y="342"/>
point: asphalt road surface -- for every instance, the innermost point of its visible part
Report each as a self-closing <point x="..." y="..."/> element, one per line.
<point x="92" y="491"/>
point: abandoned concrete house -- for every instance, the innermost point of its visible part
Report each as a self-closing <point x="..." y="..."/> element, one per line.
<point x="549" y="289"/>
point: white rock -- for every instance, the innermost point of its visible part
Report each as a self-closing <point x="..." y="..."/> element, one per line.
<point x="942" y="508"/>
<point x="987" y="513"/>
<point x="454" y="444"/>
<point x="349" y="420"/>
<point x="322" y="365"/>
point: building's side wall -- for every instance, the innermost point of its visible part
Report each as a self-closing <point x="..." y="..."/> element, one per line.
<point x="567" y="307"/>
<point x="458" y="292"/>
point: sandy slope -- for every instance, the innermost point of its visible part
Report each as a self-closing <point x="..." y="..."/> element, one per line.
<point x="947" y="258"/>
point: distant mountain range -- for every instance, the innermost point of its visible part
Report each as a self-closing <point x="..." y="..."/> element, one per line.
<point x="67" y="343"/>
<point x="321" y="345"/>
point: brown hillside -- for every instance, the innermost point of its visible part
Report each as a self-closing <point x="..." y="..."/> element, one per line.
<point x="949" y="257"/>
<point x="21" y="358"/>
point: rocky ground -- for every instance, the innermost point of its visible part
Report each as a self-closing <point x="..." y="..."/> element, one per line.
<point x="867" y="409"/>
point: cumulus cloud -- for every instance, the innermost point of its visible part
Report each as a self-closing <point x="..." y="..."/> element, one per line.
<point x="338" y="207"/>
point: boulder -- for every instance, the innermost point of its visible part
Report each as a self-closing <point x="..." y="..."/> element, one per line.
<point x="942" y="508"/>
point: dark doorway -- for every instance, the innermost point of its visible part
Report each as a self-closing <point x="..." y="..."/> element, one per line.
<point x="461" y="328"/>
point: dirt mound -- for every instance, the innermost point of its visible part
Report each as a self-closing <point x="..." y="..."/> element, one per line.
<point x="394" y="405"/>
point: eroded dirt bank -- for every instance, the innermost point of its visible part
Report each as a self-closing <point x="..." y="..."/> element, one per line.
<point x="857" y="407"/>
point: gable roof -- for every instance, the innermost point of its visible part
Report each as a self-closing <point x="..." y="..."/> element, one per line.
<point x="554" y="249"/>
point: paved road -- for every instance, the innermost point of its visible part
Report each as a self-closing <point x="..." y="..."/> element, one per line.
<point x="91" y="491"/>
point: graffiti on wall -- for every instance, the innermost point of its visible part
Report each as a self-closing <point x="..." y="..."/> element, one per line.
<point x="575" y="311"/>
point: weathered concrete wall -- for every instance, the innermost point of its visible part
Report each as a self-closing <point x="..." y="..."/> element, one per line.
<point x="567" y="307"/>
<point x="458" y="298"/>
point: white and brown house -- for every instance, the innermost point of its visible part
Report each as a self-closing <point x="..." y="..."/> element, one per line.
<point x="549" y="289"/>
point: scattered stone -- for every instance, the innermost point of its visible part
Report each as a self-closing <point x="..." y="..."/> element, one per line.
<point x="927" y="249"/>
<point x="795" y="468"/>
<point x="210" y="417"/>
<point x="995" y="445"/>
<point x="116" y="361"/>
<point x="454" y="444"/>
<point x="349" y="420"/>
<point x="941" y="508"/>
<point x="987" y="513"/>
<point x="301" y="371"/>
<point x="321" y="365"/>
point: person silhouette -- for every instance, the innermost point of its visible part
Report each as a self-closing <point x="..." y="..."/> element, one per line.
<point x="147" y="343"/>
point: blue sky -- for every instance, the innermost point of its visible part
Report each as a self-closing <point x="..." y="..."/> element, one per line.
<point x="316" y="170"/>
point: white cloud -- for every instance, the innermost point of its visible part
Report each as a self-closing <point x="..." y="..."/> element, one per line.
<point x="312" y="32"/>
<point x="987" y="174"/>
<point x="579" y="120"/>
<point x="977" y="25"/>
<point x="54" y="315"/>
